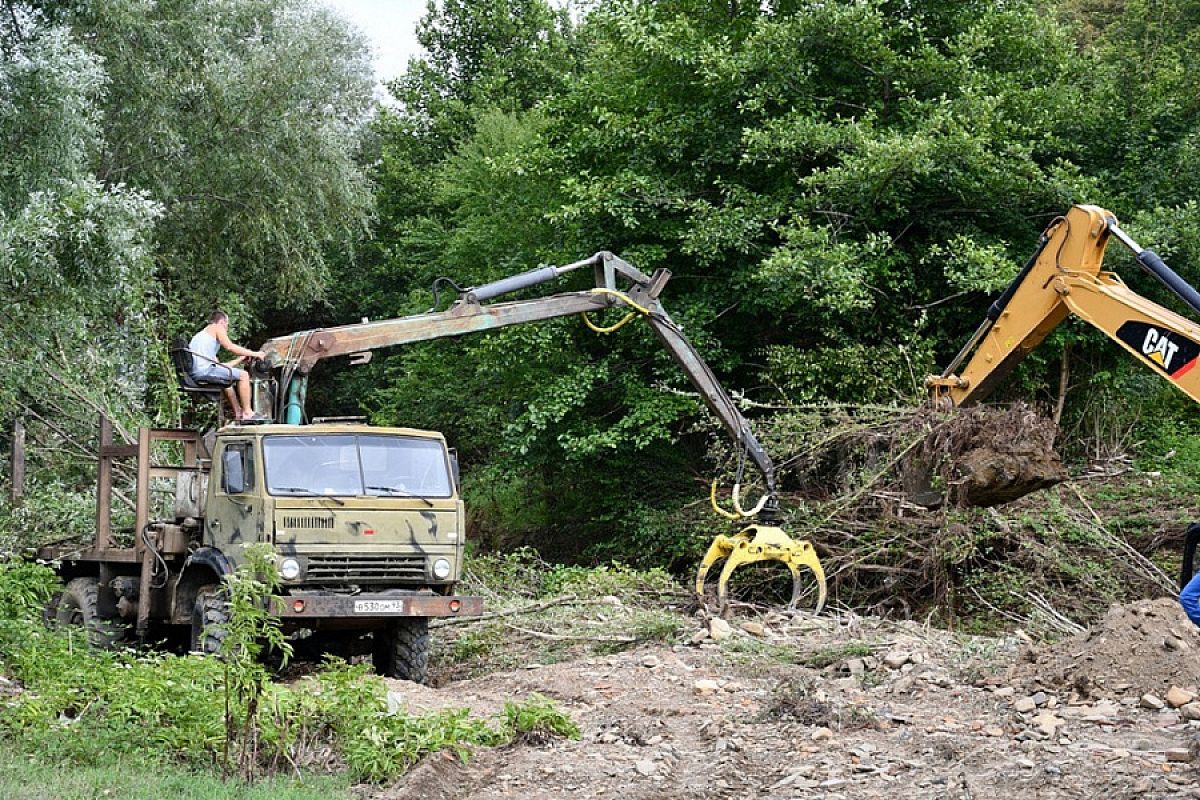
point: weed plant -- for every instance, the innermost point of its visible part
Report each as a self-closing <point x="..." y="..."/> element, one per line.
<point x="77" y="705"/>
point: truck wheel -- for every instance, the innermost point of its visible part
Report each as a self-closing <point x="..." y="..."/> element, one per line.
<point x="79" y="605"/>
<point x="50" y="610"/>
<point x="402" y="649"/>
<point x="210" y="615"/>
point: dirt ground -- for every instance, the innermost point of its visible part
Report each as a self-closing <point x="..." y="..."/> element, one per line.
<point x="846" y="707"/>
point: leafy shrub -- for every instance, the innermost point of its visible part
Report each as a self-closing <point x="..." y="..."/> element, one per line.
<point x="51" y="511"/>
<point x="613" y="579"/>
<point x="87" y="706"/>
<point x="24" y="590"/>
<point x="537" y="719"/>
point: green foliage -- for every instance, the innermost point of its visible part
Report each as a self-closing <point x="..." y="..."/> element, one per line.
<point x="827" y="657"/>
<point x="615" y="580"/>
<point x="50" y="512"/>
<point x="388" y="746"/>
<point x="159" y="159"/>
<point x="75" y="253"/>
<point x="481" y="54"/>
<point x="537" y="718"/>
<point x="868" y="373"/>
<point x="521" y="573"/>
<point x="87" y="707"/>
<point x="254" y="108"/>
<point x="656" y="625"/>
<point x="30" y="777"/>
<point x="754" y="653"/>
<point x="249" y="630"/>
<point x="649" y="537"/>
<point x="515" y="573"/>
<point x="551" y="613"/>
<point x="24" y="590"/>
<point x="815" y="218"/>
<point x="836" y="187"/>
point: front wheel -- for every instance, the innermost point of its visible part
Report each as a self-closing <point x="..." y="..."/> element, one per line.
<point x="79" y="605"/>
<point x="402" y="649"/>
<point x="210" y="621"/>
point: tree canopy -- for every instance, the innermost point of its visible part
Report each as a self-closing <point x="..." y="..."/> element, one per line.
<point x="161" y="159"/>
<point x="836" y="187"/>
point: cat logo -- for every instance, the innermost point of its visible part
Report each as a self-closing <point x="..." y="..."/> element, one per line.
<point x="1167" y="350"/>
<point x="1159" y="348"/>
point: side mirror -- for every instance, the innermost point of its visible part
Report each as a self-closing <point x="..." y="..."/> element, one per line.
<point x="233" y="473"/>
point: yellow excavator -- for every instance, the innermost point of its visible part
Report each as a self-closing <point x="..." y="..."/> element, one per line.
<point x="281" y="385"/>
<point x="1064" y="277"/>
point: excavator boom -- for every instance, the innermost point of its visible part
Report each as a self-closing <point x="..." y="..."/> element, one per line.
<point x="1063" y="278"/>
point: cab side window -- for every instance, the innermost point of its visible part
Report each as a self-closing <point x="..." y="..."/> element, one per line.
<point x="237" y="468"/>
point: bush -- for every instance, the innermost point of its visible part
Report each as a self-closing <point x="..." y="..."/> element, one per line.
<point x="88" y="706"/>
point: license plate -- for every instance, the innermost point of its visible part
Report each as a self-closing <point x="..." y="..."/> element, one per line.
<point x="378" y="606"/>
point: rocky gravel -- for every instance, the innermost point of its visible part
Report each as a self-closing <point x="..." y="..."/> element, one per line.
<point x="843" y="707"/>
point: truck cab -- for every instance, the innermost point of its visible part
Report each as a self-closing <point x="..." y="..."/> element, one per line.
<point x="349" y="508"/>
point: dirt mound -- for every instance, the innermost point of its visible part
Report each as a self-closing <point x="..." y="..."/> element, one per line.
<point x="446" y="776"/>
<point x="1147" y="646"/>
<point x="984" y="456"/>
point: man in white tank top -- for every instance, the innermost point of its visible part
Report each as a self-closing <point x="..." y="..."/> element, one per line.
<point x="205" y="345"/>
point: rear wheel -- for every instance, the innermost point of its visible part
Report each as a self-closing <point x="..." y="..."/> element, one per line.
<point x="79" y="605"/>
<point x="402" y="649"/>
<point x="210" y="618"/>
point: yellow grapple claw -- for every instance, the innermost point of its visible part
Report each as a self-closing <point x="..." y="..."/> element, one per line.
<point x="760" y="543"/>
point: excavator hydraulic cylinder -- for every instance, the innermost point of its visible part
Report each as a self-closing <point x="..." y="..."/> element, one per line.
<point x="526" y="279"/>
<point x="513" y="283"/>
<point x="1152" y="262"/>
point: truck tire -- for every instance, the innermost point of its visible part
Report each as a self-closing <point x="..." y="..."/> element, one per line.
<point x="402" y="649"/>
<point x="50" y="610"/>
<point x="210" y="615"/>
<point x="79" y="605"/>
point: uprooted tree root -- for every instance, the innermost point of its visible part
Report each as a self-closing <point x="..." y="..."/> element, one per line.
<point x="978" y="457"/>
<point x="983" y="456"/>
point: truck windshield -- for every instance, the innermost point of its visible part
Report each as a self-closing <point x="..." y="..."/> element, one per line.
<point x="354" y="465"/>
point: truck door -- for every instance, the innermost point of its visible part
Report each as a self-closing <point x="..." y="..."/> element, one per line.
<point x="236" y="513"/>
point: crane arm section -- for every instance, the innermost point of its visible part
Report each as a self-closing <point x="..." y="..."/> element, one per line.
<point x="1063" y="278"/>
<point x="305" y="349"/>
<point x="617" y="283"/>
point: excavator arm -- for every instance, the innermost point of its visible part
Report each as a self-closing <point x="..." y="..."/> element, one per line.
<point x="1063" y="278"/>
<point x="616" y="284"/>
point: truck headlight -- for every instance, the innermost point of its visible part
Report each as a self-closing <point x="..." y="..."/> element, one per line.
<point x="289" y="569"/>
<point x="441" y="569"/>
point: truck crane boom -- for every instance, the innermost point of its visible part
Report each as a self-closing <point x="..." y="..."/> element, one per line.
<point x="1064" y="277"/>
<point x="293" y="357"/>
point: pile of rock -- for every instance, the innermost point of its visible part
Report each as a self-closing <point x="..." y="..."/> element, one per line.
<point x="1144" y="647"/>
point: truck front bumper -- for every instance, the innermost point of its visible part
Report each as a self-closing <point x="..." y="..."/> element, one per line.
<point x="302" y="606"/>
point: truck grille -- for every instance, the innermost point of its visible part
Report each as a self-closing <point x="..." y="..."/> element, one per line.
<point x="309" y="523"/>
<point x="365" y="569"/>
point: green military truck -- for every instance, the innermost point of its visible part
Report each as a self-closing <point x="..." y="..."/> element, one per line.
<point x="367" y="522"/>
